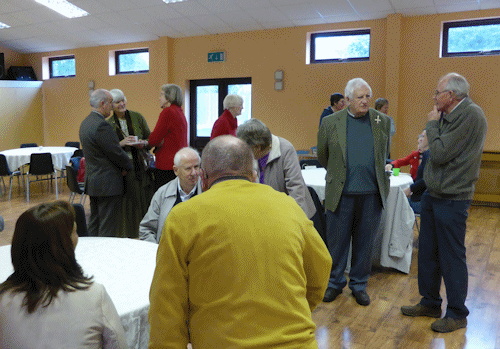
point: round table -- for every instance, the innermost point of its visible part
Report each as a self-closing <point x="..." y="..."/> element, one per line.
<point x="394" y="238"/>
<point x="125" y="267"/>
<point x="21" y="156"/>
<point x="315" y="178"/>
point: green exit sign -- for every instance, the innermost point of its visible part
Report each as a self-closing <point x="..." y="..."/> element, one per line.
<point x="216" y="57"/>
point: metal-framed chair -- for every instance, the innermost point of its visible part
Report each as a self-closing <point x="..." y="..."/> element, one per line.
<point x="309" y="163"/>
<point x="73" y="144"/>
<point x="29" y="145"/>
<point x="74" y="186"/>
<point x="40" y="164"/>
<point x="5" y="171"/>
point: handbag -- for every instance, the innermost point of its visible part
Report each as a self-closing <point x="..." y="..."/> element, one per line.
<point x="148" y="159"/>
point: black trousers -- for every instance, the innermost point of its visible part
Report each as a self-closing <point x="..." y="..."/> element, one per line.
<point x="105" y="216"/>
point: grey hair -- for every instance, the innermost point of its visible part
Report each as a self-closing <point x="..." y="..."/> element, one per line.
<point x="183" y="152"/>
<point x="173" y="94"/>
<point x="354" y="84"/>
<point x="97" y="97"/>
<point x="227" y="155"/>
<point x="255" y="133"/>
<point x="118" y="95"/>
<point x="380" y="102"/>
<point x="457" y="84"/>
<point x="232" y="101"/>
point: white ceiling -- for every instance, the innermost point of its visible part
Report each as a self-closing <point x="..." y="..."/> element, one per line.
<point x="34" y="28"/>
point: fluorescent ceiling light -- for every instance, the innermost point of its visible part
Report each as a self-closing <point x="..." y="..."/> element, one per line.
<point x="63" y="7"/>
<point x="171" y="1"/>
<point x="3" y="25"/>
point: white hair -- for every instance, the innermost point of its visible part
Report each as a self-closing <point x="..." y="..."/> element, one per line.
<point x="232" y="101"/>
<point x="183" y="152"/>
<point x="118" y="95"/>
<point x="97" y="97"/>
<point x="457" y="84"/>
<point x="355" y="84"/>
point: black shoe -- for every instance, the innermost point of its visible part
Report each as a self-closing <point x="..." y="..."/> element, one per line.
<point x="330" y="294"/>
<point x="362" y="298"/>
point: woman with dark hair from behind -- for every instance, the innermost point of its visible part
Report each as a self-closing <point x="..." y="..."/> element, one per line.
<point x="48" y="302"/>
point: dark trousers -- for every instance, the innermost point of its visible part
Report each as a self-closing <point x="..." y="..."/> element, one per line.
<point x="442" y="254"/>
<point x="415" y="205"/>
<point x="105" y="216"/>
<point x="162" y="177"/>
<point x="356" y="218"/>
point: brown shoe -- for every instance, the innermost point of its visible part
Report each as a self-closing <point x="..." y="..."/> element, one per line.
<point x="449" y="324"/>
<point x="420" y="310"/>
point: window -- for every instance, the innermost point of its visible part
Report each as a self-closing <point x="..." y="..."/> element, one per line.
<point x="206" y="105"/>
<point x="132" y="61"/>
<point x="340" y="46"/>
<point x="480" y="37"/>
<point x="62" y="67"/>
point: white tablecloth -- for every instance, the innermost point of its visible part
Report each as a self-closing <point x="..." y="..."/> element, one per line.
<point x="394" y="240"/>
<point x="125" y="267"/>
<point x="21" y="156"/>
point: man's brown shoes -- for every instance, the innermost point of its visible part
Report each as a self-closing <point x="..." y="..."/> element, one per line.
<point x="420" y="310"/>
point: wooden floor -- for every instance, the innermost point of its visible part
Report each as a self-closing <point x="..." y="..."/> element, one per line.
<point x="345" y="324"/>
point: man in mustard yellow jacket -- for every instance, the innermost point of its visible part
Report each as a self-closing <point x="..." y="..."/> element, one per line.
<point x="353" y="145"/>
<point x="238" y="266"/>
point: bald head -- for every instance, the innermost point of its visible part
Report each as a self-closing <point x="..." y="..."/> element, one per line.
<point x="226" y="156"/>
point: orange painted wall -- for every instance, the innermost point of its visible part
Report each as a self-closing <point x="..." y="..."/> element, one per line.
<point x="66" y="100"/>
<point x="21" y="119"/>
<point x="421" y="68"/>
<point x="292" y="113"/>
<point x="404" y="67"/>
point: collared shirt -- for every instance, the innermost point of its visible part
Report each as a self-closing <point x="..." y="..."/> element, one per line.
<point x="262" y="166"/>
<point x="443" y="113"/>
<point x="183" y="195"/>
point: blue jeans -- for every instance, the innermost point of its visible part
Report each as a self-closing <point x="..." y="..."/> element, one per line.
<point x="442" y="254"/>
<point x="356" y="218"/>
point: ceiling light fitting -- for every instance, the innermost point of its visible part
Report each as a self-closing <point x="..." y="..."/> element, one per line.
<point x="63" y="7"/>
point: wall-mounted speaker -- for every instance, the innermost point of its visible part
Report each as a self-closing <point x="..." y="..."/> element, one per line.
<point x="2" y="67"/>
<point x="21" y="73"/>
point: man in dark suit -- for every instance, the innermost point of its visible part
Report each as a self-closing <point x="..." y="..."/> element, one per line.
<point x="106" y="163"/>
<point x="353" y="145"/>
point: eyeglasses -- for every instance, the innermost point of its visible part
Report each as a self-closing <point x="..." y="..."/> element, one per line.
<point x="437" y="93"/>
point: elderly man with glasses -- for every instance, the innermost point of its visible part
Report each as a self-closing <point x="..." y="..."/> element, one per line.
<point x="456" y="131"/>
